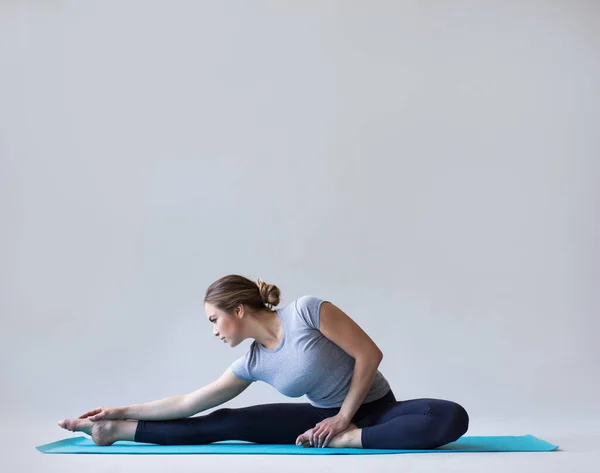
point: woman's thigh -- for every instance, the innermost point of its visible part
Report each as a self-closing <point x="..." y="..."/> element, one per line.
<point x="414" y="423"/>
<point x="424" y="406"/>
<point x="278" y="423"/>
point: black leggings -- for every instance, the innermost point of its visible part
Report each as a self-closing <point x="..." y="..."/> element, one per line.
<point x="386" y="423"/>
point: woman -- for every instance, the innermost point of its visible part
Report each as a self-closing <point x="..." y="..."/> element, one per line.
<point x="309" y="347"/>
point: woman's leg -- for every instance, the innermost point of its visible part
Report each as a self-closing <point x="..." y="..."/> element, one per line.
<point x="279" y="423"/>
<point x="414" y="424"/>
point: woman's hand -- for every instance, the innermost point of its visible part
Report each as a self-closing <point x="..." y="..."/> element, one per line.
<point x="325" y="430"/>
<point x="104" y="413"/>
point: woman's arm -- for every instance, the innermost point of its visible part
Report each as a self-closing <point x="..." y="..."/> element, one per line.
<point x="339" y="327"/>
<point x="214" y="394"/>
<point x="172" y="407"/>
<point x="365" y="370"/>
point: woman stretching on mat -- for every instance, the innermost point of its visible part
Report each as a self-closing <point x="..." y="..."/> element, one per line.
<point x="308" y="347"/>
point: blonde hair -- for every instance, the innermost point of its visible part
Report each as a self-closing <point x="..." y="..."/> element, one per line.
<point x="230" y="291"/>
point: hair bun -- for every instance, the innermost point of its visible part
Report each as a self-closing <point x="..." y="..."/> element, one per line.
<point x="269" y="293"/>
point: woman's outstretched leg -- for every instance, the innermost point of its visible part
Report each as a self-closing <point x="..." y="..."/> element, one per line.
<point x="415" y="424"/>
<point x="279" y="423"/>
<point x="103" y="432"/>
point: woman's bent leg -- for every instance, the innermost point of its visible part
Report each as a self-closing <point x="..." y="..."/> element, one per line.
<point x="415" y="424"/>
<point x="279" y="423"/>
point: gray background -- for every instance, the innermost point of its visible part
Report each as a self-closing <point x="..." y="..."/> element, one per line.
<point x="429" y="167"/>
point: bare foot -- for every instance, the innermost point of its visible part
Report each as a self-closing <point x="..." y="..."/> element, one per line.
<point x="344" y="439"/>
<point x="103" y="432"/>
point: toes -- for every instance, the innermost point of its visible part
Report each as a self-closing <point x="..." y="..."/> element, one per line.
<point x="66" y="424"/>
<point x="70" y="424"/>
<point x="304" y="439"/>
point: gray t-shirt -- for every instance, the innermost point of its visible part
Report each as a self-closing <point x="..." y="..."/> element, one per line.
<point x="306" y="362"/>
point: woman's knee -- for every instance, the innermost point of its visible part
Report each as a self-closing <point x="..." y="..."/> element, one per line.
<point x="458" y="422"/>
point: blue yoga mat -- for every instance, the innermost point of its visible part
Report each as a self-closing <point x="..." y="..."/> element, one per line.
<point x="524" y="443"/>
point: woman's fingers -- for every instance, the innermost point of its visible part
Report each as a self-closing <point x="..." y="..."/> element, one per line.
<point x="315" y="437"/>
<point x="90" y="413"/>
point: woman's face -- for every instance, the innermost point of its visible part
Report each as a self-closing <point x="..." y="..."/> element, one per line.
<point x="224" y="325"/>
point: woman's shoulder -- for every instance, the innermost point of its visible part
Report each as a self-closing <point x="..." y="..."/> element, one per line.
<point x="307" y="308"/>
<point x="307" y="300"/>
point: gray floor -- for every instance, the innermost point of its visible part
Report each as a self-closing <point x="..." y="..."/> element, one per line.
<point x="579" y="451"/>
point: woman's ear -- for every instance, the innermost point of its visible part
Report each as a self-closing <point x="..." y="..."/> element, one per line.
<point x="239" y="310"/>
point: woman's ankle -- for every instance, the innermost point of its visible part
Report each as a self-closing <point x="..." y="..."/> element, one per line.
<point x="126" y="429"/>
